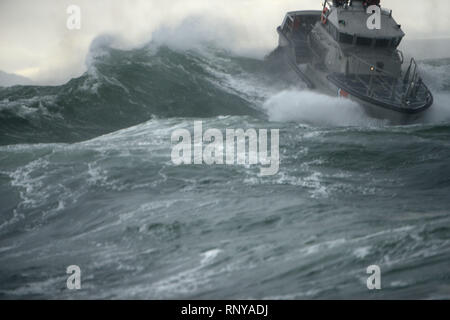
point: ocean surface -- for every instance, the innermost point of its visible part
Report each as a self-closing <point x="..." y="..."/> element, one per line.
<point x="86" y="179"/>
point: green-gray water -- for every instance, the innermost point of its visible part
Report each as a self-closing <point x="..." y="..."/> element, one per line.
<point x="86" y="179"/>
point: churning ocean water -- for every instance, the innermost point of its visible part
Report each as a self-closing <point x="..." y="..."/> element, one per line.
<point x="86" y="179"/>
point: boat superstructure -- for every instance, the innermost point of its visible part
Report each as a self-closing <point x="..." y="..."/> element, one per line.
<point x="335" y="51"/>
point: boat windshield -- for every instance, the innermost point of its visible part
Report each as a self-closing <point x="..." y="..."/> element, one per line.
<point x="382" y="43"/>
<point x="362" y="41"/>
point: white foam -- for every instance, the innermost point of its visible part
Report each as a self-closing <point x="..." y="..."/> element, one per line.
<point x="30" y="186"/>
<point x="209" y="256"/>
<point x="440" y="111"/>
<point x="321" y="247"/>
<point x="436" y="77"/>
<point x="438" y="80"/>
<point x="362" y="252"/>
<point x="315" y="108"/>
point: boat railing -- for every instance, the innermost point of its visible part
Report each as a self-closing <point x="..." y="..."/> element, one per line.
<point x="411" y="80"/>
<point x="380" y="77"/>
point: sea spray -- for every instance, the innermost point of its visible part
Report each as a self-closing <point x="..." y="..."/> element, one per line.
<point x="315" y="108"/>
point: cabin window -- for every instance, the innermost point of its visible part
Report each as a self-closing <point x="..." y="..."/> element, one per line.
<point x="382" y="43"/>
<point x="345" y="38"/>
<point x="395" y="42"/>
<point x="361" y="41"/>
<point x="289" y="23"/>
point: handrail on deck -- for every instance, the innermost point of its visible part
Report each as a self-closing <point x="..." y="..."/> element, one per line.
<point x="411" y="79"/>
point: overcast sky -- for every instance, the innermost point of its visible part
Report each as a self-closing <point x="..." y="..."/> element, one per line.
<point x="35" y="42"/>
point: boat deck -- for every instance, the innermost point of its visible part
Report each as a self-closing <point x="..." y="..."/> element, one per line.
<point x="391" y="93"/>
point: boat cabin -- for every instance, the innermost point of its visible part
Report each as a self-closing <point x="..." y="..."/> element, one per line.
<point x="346" y="22"/>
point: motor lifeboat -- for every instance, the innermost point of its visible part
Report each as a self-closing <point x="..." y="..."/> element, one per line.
<point x="335" y="50"/>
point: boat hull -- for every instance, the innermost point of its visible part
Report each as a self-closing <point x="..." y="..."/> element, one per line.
<point x="319" y="81"/>
<point x="323" y="85"/>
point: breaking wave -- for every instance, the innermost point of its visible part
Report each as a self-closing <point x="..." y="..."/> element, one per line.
<point x="125" y="88"/>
